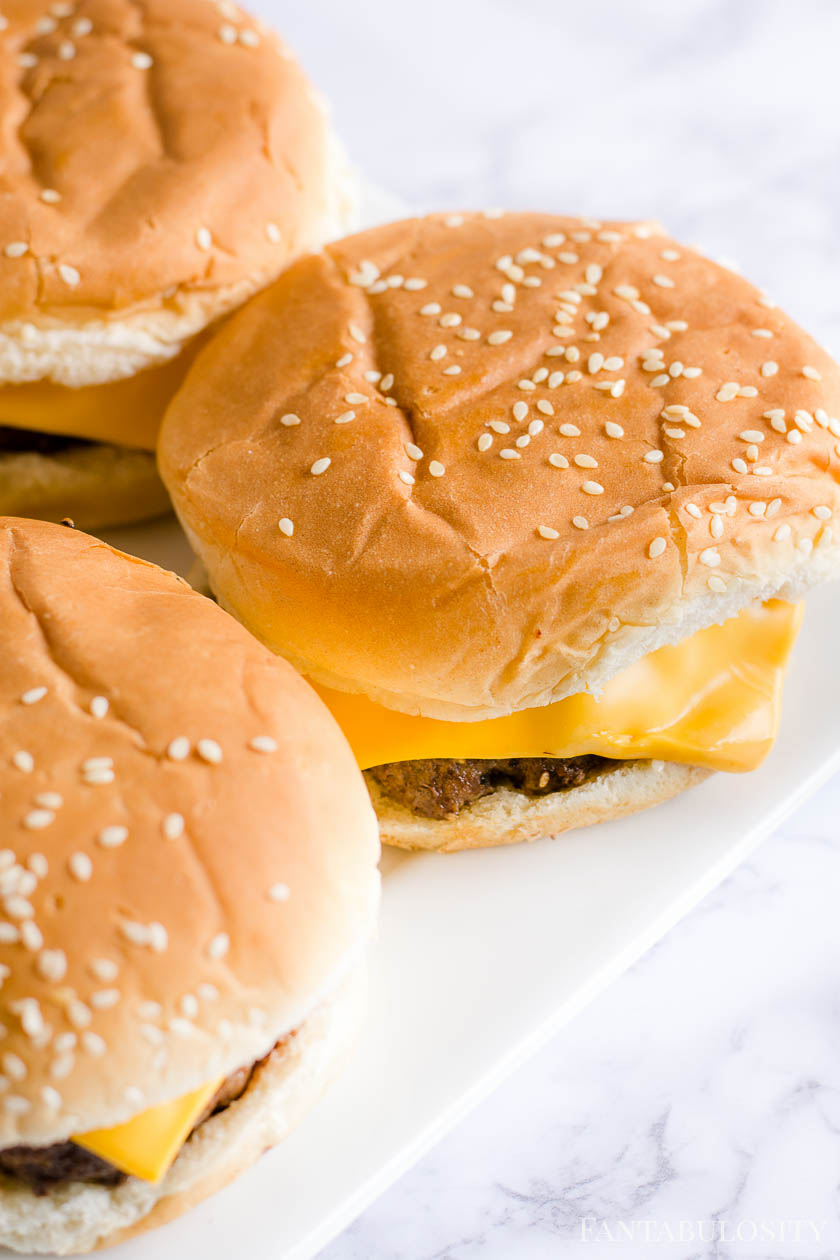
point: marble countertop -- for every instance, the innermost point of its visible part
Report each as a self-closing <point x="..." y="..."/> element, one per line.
<point x="694" y="1109"/>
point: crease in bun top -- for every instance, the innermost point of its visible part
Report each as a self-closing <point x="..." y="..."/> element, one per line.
<point x="160" y="162"/>
<point x="188" y="881"/>
<point x="528" y="498"/>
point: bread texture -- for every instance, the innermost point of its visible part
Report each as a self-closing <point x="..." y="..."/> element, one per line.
<point x="81" y="1217"/>
<point x="509" y="817"/>
<point x="162" y="161"/>
<point x="467" y="465"/>
<point x="97" y="486"/>
<point x="189" y="860"/>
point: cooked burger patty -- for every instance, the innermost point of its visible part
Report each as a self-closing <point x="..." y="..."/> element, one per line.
<point x="17" y="440"/>
<point x="440" y="787"/>
<point x="45" y="1167"/>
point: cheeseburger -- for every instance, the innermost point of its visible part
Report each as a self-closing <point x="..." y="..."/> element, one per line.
<point x="528" y="498"/>
<point x="187" y="884"/>
<point x="160" y="162"/>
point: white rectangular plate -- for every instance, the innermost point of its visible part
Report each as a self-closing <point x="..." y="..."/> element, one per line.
<point x="481" y="956"/>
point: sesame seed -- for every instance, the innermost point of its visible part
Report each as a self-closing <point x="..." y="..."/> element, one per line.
<point x="535" y="427"/>
<point x="498" y="426"/>
<point x="508" y="453"/>
<point x="27" y="60"/>
<point x="770" y="368"/>
<point x="37" y="819"/>
<point x="657" y="381"/>
<point x="586" y="461"/>
<point x="436" y="469"/>
<point x="520" y="410"/>
<point x="203" y="238"/>
<point x="80" y="866"/>
<point x="219" y="945"/>
<point x="558" y="461"/>
<point x="113" y="836"/>
<point x="66" y="50"/>
<point x="811" y="373"/>
<point x="710" y="557"/>
<point x="339" y="363"/>
<point x="320" y="466"/>
<point x="664" y="282"/>
<point x="414" y="283"/>
<point x="822" y="512"/>
<point x="173" y="826"/>
<point x="356" y="399"/>
<point x="51" y="1097"/>
<point x="656" y="548"/>
<point x="485" y="441"/>
<point x="500" y="337"/>
<point x="16" y="249"/>
<point x="23" y="761"/>
<point x="50" y="800"/>
<point x="716" y="583"/>
<point x="754" y="509"/>
<point x="406" y="478"/>
<point x="69" y="274"/>
<point x="344" y="418"/>
<point x="357" y="334"/>
<point x="31" y="936"/>
<point x="286" y="526"/>
<point x="739" y="465"/>
<point x="33" y="695"/>
<point x="209" y="751"/>
<point x="437" y="352"/>
<point x="524" y="440"/>
<point x="545" y="531"/>
<point x="716" y="526"/>
<point x="249" y="37"/>
<point x="580" y="522"/>
<point x="751" y="435"/>
<point x="569" y="430"/>
<point x="526" y="384"/>
<point x="654" y="457"/>
<point x="747" y="391"/>
<point x="178" y="748"/>
<point x="450" y="320"/>
<point x="263" y="744"/>
<point x="227" y="33"/>
<point x="412" y="451"/>
<point x="555" y="379"/>
<point x="592" y="487"/>
<point x="50" y="195"/>
<point x="290" y="419"/>
<point x="462" y="291"/>
<point x="279" y="892"/>
<point x="431" y="308"/>
<point x="141" y="61"/>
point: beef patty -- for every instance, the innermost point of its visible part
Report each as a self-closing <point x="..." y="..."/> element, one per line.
<point x="15" y="441"/>
<point x="45" y="1167"/>
<point x="440" y="787"/>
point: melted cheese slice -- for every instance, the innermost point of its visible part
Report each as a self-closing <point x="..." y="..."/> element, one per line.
<point x="127" y="412"/>
<point x="712" y="700"/>
<point x="146" y="1145"/>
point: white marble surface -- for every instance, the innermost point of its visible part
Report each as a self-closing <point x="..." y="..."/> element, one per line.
<point x="702" y="1091"/>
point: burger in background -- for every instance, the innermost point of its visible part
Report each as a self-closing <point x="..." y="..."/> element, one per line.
<point x="160" y="163"/>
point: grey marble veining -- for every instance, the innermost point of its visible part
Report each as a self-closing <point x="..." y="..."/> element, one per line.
<point x="703" y="1087"/>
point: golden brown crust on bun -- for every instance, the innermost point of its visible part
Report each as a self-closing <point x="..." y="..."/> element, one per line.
<point x="79" y="1217"/>
<point x="509" y="817"/>
<point x="96" y="486"/>
<point x="189" y="853"/>
<point x="470" y="464"/>
<point x="162" y="161"/>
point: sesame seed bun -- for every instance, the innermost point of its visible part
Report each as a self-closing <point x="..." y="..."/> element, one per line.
<point x="80" y="1217"/>
<point x="510" y="817"/>
<point x="96" y="486"/>
<point x="189" y="861"/>
<point x="586" y="442"/>
<point x="163" y="161"/>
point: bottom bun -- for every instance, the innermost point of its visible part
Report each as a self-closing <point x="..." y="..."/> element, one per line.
<point x="82" y="1217"/>
<point x="508" y="816"/>
<point x="96" y="485"/>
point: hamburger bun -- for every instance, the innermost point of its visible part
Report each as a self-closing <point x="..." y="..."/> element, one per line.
<point x="190" y="865"/>
<point x="162" y="163"/>
<point x="586" y="442"/>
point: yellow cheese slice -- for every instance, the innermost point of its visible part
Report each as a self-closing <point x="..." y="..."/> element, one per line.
<point x="126" y="412"/>
<point x="712" y="700"/>
<point x="146" y="1145"/>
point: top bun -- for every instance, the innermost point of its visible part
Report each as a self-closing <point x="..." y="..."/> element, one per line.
<point x="586" y="441"/>
<point x="161" y="162"/>
<point x="168" y="909"/>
